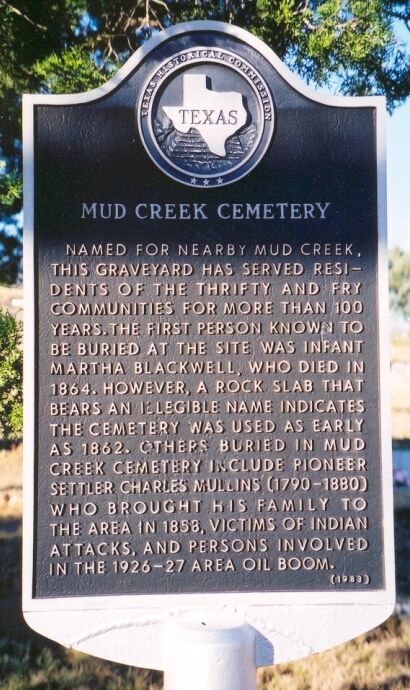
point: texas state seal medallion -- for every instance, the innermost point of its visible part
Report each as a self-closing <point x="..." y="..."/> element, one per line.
<point x="206" y="117"/>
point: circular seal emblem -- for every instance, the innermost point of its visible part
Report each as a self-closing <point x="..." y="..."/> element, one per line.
<point x="205" y="117"/>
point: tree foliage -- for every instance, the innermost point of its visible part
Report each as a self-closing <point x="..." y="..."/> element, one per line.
<point x="65" y="46"/>
<point x="399" y="282"/>
<point x="11" y="373"/>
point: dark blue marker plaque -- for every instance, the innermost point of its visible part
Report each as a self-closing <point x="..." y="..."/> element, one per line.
<point x="208" y="415"/>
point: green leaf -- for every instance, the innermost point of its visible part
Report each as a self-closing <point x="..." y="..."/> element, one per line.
<point x="71" y="71"/>
<point x="11" y="376"/>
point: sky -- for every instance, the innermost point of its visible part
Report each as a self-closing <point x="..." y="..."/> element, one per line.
<point x="398" y="177"/>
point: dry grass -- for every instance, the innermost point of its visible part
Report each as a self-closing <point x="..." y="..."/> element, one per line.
<point x="379" y="660"/>
<point x="11" y="299"/>
<point x="36" y="666"/>
<point x="400" y="387"/>
<point x="11" y="468"/>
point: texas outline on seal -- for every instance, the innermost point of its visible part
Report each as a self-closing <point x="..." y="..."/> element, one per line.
<point x="216" y="115"/>
<point x="205" y="117"/>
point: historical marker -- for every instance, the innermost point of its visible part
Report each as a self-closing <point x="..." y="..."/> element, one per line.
<point x="206" y="421"/>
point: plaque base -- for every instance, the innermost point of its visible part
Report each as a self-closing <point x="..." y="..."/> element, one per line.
<point x="131" y="635"/>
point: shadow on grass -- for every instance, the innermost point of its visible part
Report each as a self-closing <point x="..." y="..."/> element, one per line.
<point x="29" y="661"/>
<point x="402" y="545"/>
<point x="39" y="665"/>
<point x="399" y="657"/>
<point x="391" y="628"/>
<point x="397" y="683"/>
